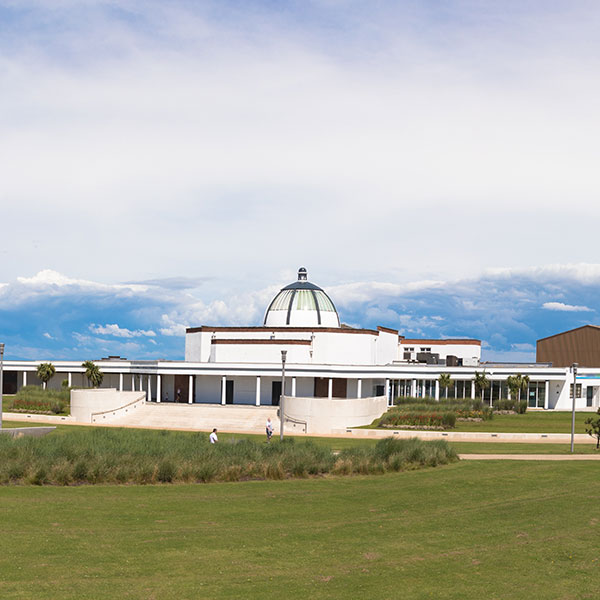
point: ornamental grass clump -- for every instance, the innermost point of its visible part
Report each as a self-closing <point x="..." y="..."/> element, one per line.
<point x="34" y="399"/>
<point x="418" y="419"/>
<point x="125" y="456"/>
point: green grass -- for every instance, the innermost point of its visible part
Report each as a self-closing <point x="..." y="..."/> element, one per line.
<point x="530" y="422"/>
<point x="496" y="530"/>
<point x="111" y="455"/>
<point x="516" y="448"/>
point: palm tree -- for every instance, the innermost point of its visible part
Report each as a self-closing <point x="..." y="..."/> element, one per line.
<point x="481" y="383"/>
<point x="93" y="373"/>
<point x="445" y="382"/>
<point x="516" y="384"/>
<point x="45" y="372"/>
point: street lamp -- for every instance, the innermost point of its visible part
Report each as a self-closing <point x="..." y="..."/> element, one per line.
<point x="281" y="418"/>
<point x="1" y="379"/>
<point x="574" y="367"/>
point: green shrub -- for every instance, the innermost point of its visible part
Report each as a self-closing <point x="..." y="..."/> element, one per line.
<point x="40" y="476"/>
<point x="136" y="456"/>
<point x="166" y="472"/>
<point x="80" y="471"/>
<point x="34" y="399"/>
<point x="440" y="420"/>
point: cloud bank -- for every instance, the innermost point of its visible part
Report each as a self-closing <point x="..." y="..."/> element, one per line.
<point x="50" y="315"/>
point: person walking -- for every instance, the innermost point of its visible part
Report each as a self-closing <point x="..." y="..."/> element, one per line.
<point x="269" y="429"/>
<point x="213" y="436"/>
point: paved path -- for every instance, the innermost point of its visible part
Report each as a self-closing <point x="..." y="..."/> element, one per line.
<point x="529" y="456"/>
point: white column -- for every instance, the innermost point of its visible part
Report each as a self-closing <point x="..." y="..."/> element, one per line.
<point x="293" y="387"/>
<point x="223" y="390"/>
<point x="158" y="391"/>
<point x="359" y="388"/>
<point x="330" y="388"/>
<point x="472" y="390"/>
<point x="70" y="379"/>
<point x="437" y="390"/>
<point x="148" y="391"/>
<point x="387" y="391"/>
<point x="547" y="394"/>
<point x="133" y="383"/>
<point x="413" y="391"/>
<point x="24" y="377"/>
<point x="258" y="391"/>
<point x="120" y="382"/>
<point x="191" y="389"/>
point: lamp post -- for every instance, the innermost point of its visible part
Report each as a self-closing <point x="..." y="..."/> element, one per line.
<point x="1" y="379"/>
<point x="574" y="367"/>
<point x="281" y="417"/>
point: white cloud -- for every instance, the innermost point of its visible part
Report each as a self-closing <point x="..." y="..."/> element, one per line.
<point x="116" y="331"/>
<point x="260" y="120"/>
<point x="48" y="278"/>
<point x="48" y="336"/>
<point x="560" y="306"/>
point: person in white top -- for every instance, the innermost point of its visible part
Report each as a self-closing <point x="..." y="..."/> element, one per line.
<point x="213" y="436"/>
<point x="269" y="429"/>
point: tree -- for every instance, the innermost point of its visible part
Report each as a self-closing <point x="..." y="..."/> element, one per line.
<point x="481" y="383"/>
<point x="93" y="373"/>
<point x="45" y="372"/>
<point x="516" y="384"/>
<point x="593" y="428"/>
<point x="446" y="382"/>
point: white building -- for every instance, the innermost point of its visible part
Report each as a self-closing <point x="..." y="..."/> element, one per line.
<point x="326" y="361"/>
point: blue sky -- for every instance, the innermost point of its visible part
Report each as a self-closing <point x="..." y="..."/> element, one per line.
<point x="433" y="164"/>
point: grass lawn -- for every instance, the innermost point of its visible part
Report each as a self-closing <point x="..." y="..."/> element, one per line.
<point x="341" y="443"/>
<point x="497" y="530"/>
<point x="516" y="448"/>
<point x="530" y="422"/>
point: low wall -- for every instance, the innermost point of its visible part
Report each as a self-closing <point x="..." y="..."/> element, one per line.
<point x="323" y="415"/>
<point x="85" y="403"/>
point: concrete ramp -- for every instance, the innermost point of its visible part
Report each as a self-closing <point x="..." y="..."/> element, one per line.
<point x="201" y="417"/>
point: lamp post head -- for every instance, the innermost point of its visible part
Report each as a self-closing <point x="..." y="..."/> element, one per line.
<point x="283" y="355"/>
<point x="1" y="348"/>
<point x="574" y="367"/>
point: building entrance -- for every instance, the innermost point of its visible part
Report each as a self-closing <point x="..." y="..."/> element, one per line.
<point x="275" y="393"/>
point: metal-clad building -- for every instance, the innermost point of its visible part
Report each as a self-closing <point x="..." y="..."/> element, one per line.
<point x="581" y="345"/>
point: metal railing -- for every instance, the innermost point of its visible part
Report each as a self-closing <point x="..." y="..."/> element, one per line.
<point x="141" y="398"/>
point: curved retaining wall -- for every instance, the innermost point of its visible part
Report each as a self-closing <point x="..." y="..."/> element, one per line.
<point x="85" y="403"/>
<point x="323" y="415"/>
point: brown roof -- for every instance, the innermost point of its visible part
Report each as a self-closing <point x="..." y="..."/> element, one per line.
<point x="443" y="342"/>
<point x="262" y="328"/>
<point x="266" y="342"/>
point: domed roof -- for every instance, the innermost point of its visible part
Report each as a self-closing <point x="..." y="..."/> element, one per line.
<point x="301" y="304"/>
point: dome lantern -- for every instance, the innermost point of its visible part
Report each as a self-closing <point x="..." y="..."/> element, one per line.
<point x="301" y="304"/>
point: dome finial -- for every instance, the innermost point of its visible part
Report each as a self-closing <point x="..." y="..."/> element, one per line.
<point x="302" y="274"/>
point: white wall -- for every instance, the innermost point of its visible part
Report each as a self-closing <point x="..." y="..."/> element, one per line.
<point x="331" y="348"/>
<point x="84" y="403"/>
<point x="261" y="353"/>
<point x="323" y="415"/>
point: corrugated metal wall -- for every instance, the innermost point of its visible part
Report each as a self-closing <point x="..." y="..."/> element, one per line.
<point x="580" y="345"/>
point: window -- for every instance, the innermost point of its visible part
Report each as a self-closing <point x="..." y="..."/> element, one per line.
<point x="425" y="349"/>
<point x="577" y="393"/>
<point x="589" y="396"/>
<point x="410" y="349"/>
